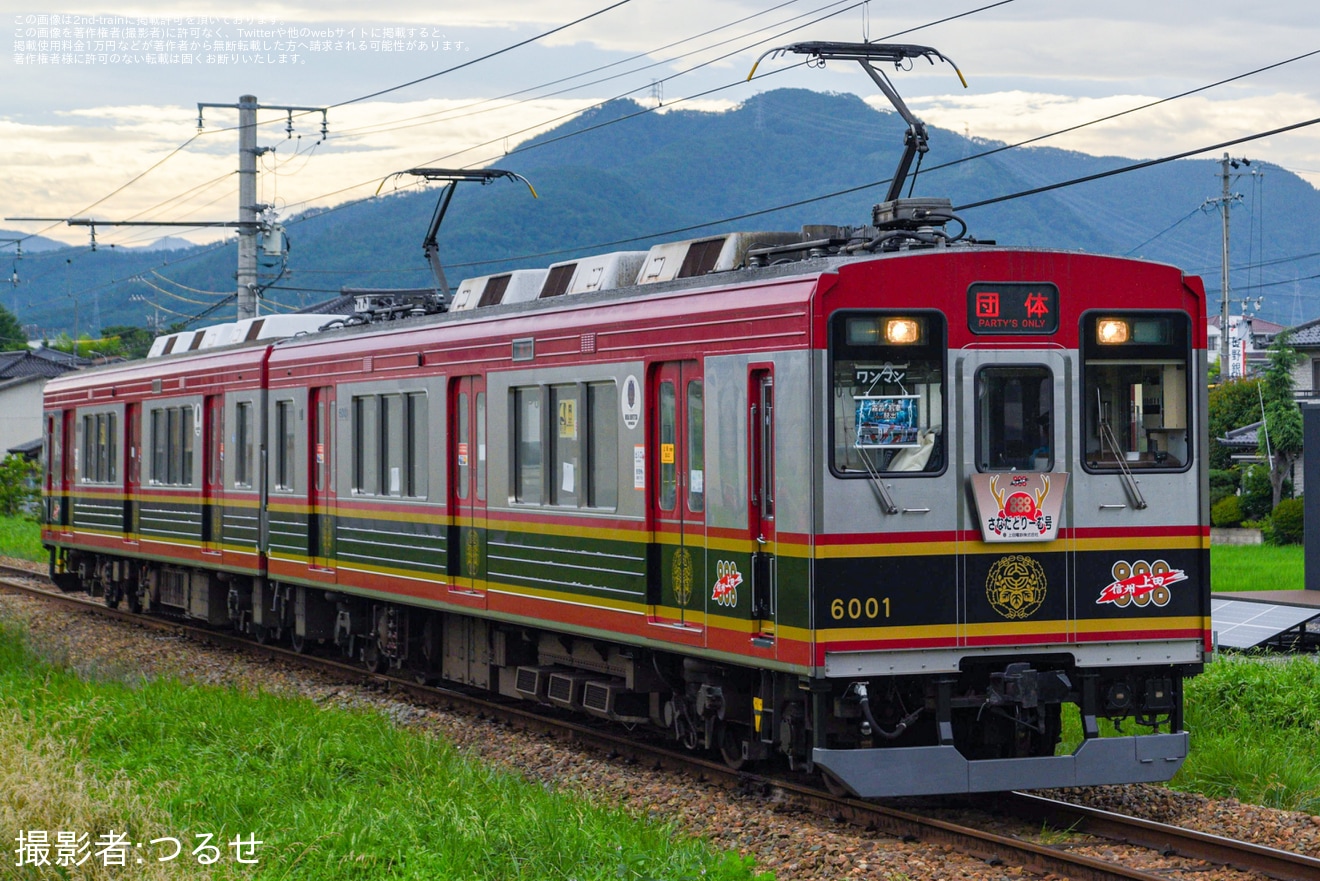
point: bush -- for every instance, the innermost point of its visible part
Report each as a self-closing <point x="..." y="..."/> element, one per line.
<point x="1223" y="484"/>
<point x="20" y="486"/>
<point x="1286" y="523"/>
<point x="1258" y="495"/>
<point x="1227" y="512"/>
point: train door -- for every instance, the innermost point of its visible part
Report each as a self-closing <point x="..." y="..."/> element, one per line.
<point x="467" y="501"/>
<point x="213" y="451"/>
<point x="132" y="470"/>
<point x="59" y="473"/>
<point x="678" y="495"/>
<point x="761" y="515"/>
<point x="321" y="505"/>
<point x="1017" y="451"/>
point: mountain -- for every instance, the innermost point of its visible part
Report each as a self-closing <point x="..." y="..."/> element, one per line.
<point x="619" y="178"/>
<point x="30" y="243"/>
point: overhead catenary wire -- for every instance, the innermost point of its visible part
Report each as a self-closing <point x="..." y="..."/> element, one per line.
<point x="486" y="57"/>
<point x="705" y="93"/>
<point x="413" y="121"/>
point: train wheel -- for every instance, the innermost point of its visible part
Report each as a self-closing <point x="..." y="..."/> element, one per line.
<point x="372" y="658"/>
<point x="261" y="634"/>
<point x="731" y="747"/>
<point x="134" y="600"/>
<point x="111" y="597"/>
<point x="298" y="642"/>
<point x="833" y="785"/>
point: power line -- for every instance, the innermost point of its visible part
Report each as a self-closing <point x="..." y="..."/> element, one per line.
<point x="643" y="111"/>
<point x="485" y="57"/>
<point x="380" y="128"/>
<point x="1137" y="165"/>
<point x="799" y="203"/>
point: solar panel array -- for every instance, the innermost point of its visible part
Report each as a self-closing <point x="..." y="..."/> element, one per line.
<point x="1243" y="625"/>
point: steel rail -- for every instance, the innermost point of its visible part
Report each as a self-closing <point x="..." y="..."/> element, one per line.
<point x="994" y="848"/>
<point x="1243" y="855"/>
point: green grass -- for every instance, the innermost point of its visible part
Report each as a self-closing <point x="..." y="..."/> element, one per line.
<point x="331" y="793"/>
<point x="1255" y="725"/>
<point x="1256" y="567"/>
<point x="20" y="537"/>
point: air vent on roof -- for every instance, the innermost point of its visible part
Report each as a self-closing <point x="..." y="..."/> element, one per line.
<point x="556" y="283"/>
<point x="518" y="286"/>
<point x="494" y="290"/>
<point x="699" y="256"/>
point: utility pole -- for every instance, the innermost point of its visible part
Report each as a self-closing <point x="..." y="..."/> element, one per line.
<point x="1224" y="270"/>
<point x="1225" y="202"/>
<point x="249" y="210"/>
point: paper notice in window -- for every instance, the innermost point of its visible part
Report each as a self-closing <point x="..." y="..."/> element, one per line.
<point x="566" y="485"/>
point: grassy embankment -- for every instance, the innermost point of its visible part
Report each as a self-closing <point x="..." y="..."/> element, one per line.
<point x="1255" y="727"/>
<point x="330" y="793"/>
<point x="20" y="537"/>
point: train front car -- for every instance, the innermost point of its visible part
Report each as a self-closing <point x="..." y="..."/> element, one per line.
<point x="1012" y="521"/>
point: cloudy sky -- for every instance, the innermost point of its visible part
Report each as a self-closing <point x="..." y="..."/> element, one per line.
<point x="99" y="114"/>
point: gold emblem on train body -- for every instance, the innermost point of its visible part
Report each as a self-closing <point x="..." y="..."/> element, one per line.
<point x="682" y="576"/>
<point x="1016" y="586"/>
<point x="472" y="554"/>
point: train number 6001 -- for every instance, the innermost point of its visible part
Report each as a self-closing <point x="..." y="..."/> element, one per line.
<point x="854" y="608"/>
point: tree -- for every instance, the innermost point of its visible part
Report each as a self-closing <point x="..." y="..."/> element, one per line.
<point x="135" y="341"/>
<point x="1233" y="404"/>
<point x="12" y="337"/>
<point x="1281" y="441"/>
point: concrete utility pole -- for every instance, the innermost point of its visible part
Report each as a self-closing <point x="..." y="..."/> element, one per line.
<point x="249" y="210"/>
<point x="247" y="207"/>
<point x="1224" y="270"/>
<point x="1225" y="200"/>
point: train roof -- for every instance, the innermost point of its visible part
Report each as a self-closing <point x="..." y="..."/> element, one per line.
<point x="809" y="268"/>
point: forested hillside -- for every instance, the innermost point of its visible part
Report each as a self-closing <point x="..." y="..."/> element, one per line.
<point x="618" y="178"/>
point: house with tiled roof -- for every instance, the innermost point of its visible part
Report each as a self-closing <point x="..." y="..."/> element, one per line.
<point x="1305" y="340"/>
<point x="23" y="377"/>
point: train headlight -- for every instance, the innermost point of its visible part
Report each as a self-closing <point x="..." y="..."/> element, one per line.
<point x="1112" y="331"/>
<point x="902" y="331"/>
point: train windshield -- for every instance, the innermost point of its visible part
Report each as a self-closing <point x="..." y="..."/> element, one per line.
<point x="1136" y="392"/>
<point x="1014" y="406"/>
<point x="887" y="388"/>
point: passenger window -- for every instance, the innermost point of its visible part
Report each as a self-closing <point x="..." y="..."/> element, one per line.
<point x="887" y="392"/>
<point x="243" y="460"/>
<point x="416" y="453"/>
<point x="696" y="425"/>
<point x="567" y="476"/>
<point x="603" y="444"/>
<point x="1136" y="393"/>
<point x="668" y="438"/>
<point x="1014" y="419"/>
<point x="285" y="445"/>
<point x="527" y="449"/>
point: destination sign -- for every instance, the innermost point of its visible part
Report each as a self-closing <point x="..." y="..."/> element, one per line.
<point x="1012" y="308"/>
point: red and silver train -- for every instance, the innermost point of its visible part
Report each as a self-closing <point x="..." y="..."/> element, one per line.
<point x="882" y="503"/>
<point x="884" y="514"/>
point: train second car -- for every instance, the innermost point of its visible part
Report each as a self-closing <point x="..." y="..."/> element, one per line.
<point x="893" y="517"/>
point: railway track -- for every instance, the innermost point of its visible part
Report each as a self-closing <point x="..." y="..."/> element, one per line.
<point x="992" y="847"/>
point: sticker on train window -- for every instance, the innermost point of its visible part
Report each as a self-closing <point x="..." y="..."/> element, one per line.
<point x="1012" y="308"/>
<point x="887" y="421"/>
